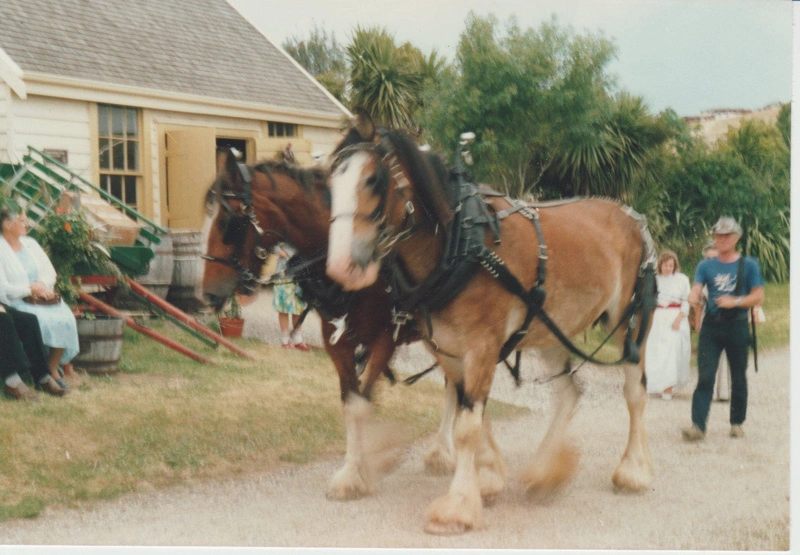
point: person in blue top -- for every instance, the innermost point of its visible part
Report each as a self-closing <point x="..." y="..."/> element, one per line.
<point x="724" y="326"/>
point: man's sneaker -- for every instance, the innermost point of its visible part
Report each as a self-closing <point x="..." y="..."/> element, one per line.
<point x="693" y="434"/>
<point x="737" y="431"/>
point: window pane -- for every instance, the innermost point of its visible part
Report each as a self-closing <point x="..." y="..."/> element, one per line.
<point x="133" y="155"/>
<point x="105" y="155"/>
<point x="132" y="124"/>
<point x="102" y="120"/>
<point x="117" y="121"/>
<point x="116" y="186"/>
<point x="271" y="129"/>
<point x="130" y="190"/>
<point x="104" y="182"/>
<point x="119" y="155"/>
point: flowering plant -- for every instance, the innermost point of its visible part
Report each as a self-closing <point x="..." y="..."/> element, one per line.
<point x="67" y="238"/>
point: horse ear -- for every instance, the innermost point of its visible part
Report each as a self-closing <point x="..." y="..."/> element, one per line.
<point x="364" y="125"/>
<point x="222" y="158"/>
<point x="227" y="163"/>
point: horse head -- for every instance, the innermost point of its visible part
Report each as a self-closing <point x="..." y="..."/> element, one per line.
<point x="383" y="191"/>
<point x="252" y="208"/>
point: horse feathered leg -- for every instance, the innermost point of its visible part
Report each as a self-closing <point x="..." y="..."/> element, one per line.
<point x="492" y="475"/>
<point x="635" y="470"/>
<point x="461" y="509"/>
<point x="350" y="481"/>
<point x="441" y="459"/>
<point x="556" y="460"/>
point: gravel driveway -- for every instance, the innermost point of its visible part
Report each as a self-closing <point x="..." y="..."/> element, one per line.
<point x="719" y="494"/>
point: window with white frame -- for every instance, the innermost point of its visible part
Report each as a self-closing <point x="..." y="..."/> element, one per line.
<point x="119" y="145"/>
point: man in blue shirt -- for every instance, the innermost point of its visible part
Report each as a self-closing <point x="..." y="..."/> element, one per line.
<point x="725" y="326"/>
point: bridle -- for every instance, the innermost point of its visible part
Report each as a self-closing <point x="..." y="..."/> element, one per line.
<point x="388" y="166"/>
<point x="235" y="228"/>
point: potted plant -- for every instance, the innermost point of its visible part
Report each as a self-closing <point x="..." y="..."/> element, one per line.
<point x="231" y="322"/>
<point x="69" y="240"/>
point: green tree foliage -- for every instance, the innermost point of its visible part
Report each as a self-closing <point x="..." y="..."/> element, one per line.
<point x="323" y="57"/>
<point x="386" y="80"/>
<point x="785" y="123"/>
<point x="689" y="185"/>
<point x="543" y="108"/>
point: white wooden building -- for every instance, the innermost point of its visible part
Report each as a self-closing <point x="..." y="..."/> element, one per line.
<point x="136" y="96"/>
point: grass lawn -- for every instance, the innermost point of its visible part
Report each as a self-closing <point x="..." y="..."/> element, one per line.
<point x="165" y="419"/>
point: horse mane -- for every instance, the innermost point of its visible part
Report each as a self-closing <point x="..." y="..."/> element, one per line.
<point x="428" y="175"/>
<point x="307" y="178"/>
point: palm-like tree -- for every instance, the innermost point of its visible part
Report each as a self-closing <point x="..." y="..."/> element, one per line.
<point x="384" y="79"/>
<point x="604" y="153"/>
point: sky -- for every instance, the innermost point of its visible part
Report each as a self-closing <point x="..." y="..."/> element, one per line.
<point x="688" y="55"/>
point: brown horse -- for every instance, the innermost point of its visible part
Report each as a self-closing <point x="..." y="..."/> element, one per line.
<point x="483" y="295"/>
<point x="251" y="209"/>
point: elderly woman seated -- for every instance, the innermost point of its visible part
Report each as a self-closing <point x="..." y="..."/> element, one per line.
<point x="27" y="278"/>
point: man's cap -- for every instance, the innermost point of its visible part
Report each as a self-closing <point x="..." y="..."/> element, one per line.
<point x="726" y="225"/>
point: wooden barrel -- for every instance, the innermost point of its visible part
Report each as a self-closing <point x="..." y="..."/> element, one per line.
<point x="159" y="273"/>
<point x="185" y="290"/>
<point x="100" y="343"/>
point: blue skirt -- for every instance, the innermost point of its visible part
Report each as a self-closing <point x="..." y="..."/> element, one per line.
<point x="58" y="326"/>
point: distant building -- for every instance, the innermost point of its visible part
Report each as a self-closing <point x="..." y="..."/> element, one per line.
<point x="136" y="96"/>
<point x="713" y="124"/>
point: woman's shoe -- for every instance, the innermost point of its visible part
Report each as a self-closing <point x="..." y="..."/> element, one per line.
<point x="52" y="388"/>
<point x="301" y="346"/>
<point x="20" y="392"/>
<point x="64" y="385"/>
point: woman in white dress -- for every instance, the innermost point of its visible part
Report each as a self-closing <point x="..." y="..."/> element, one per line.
<point x="668" y="345"/>
<point x="26" y="273"/>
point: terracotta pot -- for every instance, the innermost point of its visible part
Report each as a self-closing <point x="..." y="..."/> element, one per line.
<point x="231" y="327"/>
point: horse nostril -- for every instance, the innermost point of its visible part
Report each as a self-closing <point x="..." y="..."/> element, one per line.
<point x="362" y="254"/>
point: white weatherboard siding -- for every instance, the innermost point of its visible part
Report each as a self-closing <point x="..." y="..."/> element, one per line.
<point x="5" y="103"/>
<point x="51" y="123"/>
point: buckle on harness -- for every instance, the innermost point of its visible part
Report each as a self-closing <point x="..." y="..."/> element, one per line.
<point x="400" y="318"/>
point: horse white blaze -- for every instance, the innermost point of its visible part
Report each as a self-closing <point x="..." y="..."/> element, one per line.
<point x="345" y="183"/>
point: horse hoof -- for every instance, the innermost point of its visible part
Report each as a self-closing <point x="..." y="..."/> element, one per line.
<point x="631" y="479"/>
<point x="347" y="484"/>
<point x="345" y="494"/>
<point x="542" y="480"/>
<point x="437" y="528"/>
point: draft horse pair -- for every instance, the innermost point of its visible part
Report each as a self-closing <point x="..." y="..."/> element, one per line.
<point x="477" y="296"/>
<point x="390" y="206"/>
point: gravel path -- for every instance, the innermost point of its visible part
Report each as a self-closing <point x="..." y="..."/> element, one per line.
<point x="721" y="494"/>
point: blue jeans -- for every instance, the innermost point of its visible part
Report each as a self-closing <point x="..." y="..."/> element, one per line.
<point x="716" y="336"/>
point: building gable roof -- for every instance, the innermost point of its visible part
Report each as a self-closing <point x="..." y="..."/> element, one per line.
<point x="198" y="47"/>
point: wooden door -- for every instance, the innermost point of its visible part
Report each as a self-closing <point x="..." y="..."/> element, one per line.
<point x="190" y="168"/>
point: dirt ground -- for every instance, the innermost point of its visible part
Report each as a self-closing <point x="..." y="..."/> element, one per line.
<point x="720" y="494"/>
